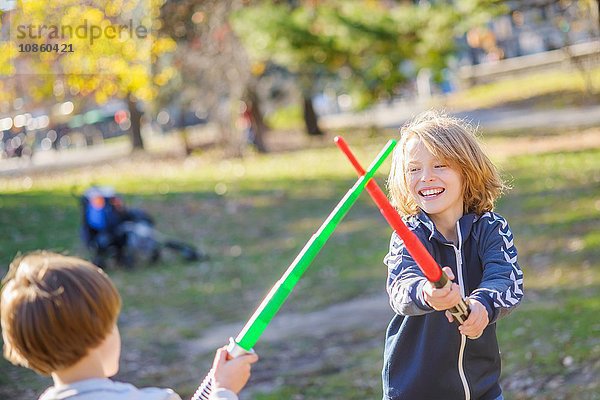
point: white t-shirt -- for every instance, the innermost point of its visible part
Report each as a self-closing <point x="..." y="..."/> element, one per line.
<point x="105" y="389"/>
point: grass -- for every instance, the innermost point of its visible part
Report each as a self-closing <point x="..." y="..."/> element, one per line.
<point x="253" y="216"/>
<point x="555" y="207"/>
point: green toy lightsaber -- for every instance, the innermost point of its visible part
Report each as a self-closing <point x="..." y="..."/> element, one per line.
<point x="267" y="309"/>
<point x="279" y="293"/>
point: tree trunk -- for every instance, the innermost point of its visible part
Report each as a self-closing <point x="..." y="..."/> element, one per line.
<point x="310" y="118"/>
<point x="586" y="73"/>
<point x="258" y="123"/>
<point x="135" y="130"/>
<point x="183" y="131"/>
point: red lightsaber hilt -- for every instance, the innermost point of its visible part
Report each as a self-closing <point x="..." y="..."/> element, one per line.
<point x="432" y="271"/>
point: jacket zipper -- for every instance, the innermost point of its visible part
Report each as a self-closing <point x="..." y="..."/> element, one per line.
<point x="463" y="338"/>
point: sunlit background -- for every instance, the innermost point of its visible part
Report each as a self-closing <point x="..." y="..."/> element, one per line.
<point x="216" y="118"/>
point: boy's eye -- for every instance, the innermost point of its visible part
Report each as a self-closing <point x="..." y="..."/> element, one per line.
<point x="413" y="169"/>
<point x="440" y="165"/>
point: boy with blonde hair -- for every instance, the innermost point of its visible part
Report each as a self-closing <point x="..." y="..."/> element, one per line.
<point x="59" y="318"/>
<point x="445" y="186"/>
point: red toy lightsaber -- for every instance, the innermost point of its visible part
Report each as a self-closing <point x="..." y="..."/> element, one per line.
<point x="432" y="271"/>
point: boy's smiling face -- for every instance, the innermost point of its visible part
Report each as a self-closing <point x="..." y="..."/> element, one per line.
<point x="435" y="186"/>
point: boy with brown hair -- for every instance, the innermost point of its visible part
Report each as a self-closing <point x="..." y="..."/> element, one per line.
<point x="59" y="318"/>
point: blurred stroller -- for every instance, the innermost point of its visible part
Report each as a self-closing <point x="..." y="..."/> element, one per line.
<point x="125" y="236"/>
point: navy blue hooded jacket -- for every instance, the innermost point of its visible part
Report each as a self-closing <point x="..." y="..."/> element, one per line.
<point x="425" y="356"/>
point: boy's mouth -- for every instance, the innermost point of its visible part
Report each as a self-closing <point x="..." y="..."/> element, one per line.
<point x="431" y="193"/>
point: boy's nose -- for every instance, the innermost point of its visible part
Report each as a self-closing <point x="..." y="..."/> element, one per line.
<point x="427" y="175"/>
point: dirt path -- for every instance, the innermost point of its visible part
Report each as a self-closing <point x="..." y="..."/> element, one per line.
<point x="502" y="147"/>
<point x="370" y="313"/>
<point x="301" y="345"/>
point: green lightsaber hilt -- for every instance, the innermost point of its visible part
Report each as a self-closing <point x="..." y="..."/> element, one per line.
<point x="263" y="315"/>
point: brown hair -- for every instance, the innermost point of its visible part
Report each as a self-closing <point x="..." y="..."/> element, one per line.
<point x="54" y="309"/>
<point x="452" y="140"/>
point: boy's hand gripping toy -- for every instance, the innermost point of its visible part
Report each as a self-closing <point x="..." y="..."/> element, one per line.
<point x="432" y="271"/>
<point x="265" y="312"/>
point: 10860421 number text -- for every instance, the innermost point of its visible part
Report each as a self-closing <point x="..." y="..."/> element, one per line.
<point x="46" y="48"/>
